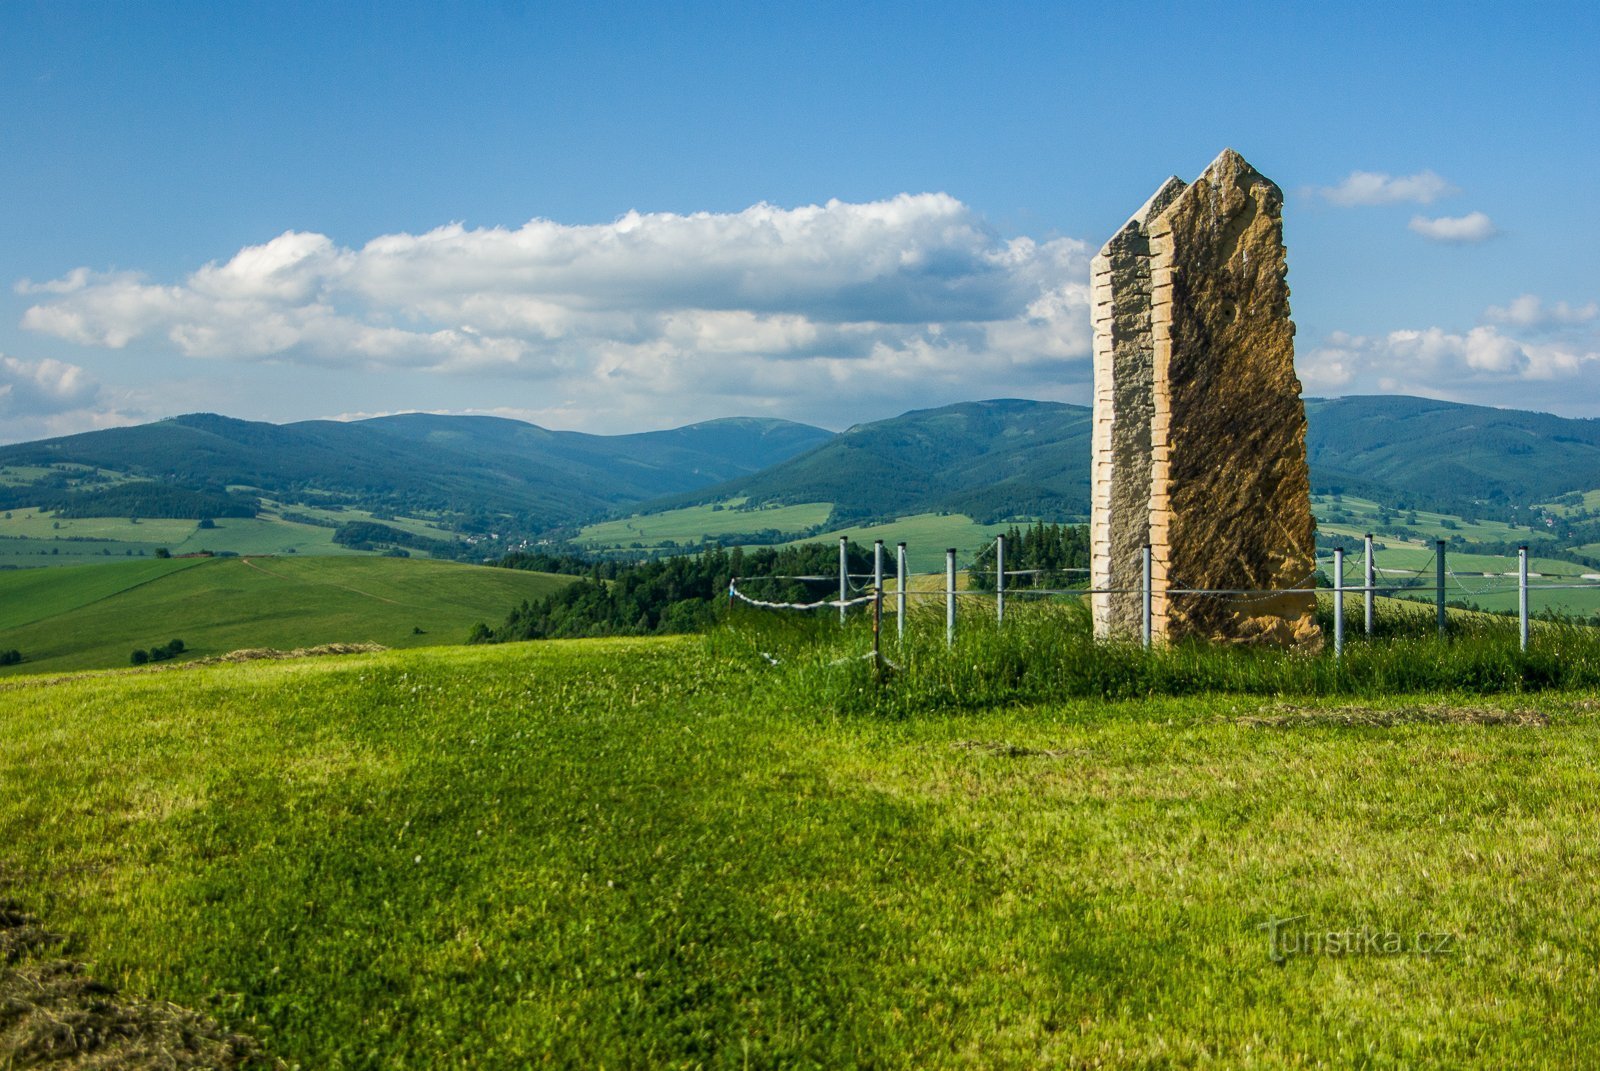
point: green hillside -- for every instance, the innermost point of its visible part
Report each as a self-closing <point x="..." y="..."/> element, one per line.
<point x="1433" y="449"/>
<point x="991" y="460"/>
<point x="1006" y="458"/>
<point x="197" y="465"/>
<point x="94" y="616"/>
<point x="32" y="538"/>
<point x="669" y="853"/>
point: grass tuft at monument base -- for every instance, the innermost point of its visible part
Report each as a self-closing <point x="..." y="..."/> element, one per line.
<point x="669" y="853"/>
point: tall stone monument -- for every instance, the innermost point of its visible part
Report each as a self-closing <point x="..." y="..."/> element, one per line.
<point x="1229" y="495"/>
<point x="1124" y="401"/>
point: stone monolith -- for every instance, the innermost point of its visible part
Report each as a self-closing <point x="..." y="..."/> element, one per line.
<point x="1199" y="436"/>
<point x="1230" y="496"/>
<point x="1124" y="369"/>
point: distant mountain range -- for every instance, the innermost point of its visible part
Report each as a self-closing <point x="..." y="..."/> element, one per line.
<point x="991" y="460"/>
<point x="460" y="465"/>
<point x="1008" y="458"/>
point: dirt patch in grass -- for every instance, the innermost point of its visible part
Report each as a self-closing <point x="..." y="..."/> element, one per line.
<point x="254" y="654"/>
<point x="1292" y="717"/>
<point x="1004" y="750"/>
<point x="53" y="1014"/>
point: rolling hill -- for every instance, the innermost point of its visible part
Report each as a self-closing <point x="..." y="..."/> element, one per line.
<point x="462" y="465"/>
<point x="1005" y="458"/>
<point x="93" y="616"/>
<point x="990" y="459"/>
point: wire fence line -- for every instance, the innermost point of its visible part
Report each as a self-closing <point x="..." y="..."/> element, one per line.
<point x="875" y="588"/>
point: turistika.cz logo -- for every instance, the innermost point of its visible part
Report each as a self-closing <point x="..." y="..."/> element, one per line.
<point x="1287" y="939"/>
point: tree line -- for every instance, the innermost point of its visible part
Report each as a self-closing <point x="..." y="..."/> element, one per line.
<point x="683" y="594"/>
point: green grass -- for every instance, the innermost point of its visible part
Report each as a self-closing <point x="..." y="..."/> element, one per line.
<point x="22" y="475"/>
<point x="92" y="617"/>
<point x="926" y="536"/>
<point x="1591" y="502"/>
<point x="1364" y="514"/>
<point x="36" y="595"/>
<point x="33" y="524"/>
<point x="30" y="539"/>
<point x="665" y="853"/>
<point x="690" y="525"/>
<point x="1497" y="591"/>
<point x="273" y="510"/>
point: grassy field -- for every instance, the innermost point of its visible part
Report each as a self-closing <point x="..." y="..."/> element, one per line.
<point x="1590" y="502"/>
<point x="688" y="526"/>
<point x="926" y="536"/>
<point x="94" y="616"/>
<point x="1363" y="517"/>
<point x="673" y="853"/>
<point x="1486" y="580"/>
<point x="32" y="539"/>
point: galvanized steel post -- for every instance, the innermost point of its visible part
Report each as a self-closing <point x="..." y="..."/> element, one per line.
<point x="1000" y="578"/>
<point x="1338" y="603"/>
<point x="900" y="590"/>
<point x="1371" y="575"/>
<point x="1522" y="595"/>
<point x="1145" y="628"/>
<point x="844" y="575"/>
<point x="1438" y="573"/>
<point x="950" y="596"/>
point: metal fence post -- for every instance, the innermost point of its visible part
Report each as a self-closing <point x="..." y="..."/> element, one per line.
<point x="844" y="575"/>
<point x="1367" y="581"/>
<point x="1338" y="603"/>
<point x="1145" y="597"/>
<point x="1000" y="578"/>
<point x="1438" y="572"/>
<point x="877" y="565"/>
<point x="900" y="590"/>
<point x="1522" y="595"/>
<point x="950" y="596"/>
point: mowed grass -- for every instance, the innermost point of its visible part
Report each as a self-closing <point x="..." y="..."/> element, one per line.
<point x="658" y="853"/>
<point x="94" y="616"/>
<point x="694" y="523"/>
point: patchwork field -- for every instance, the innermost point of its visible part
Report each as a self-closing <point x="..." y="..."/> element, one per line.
<point x="926" y="534"/>
<point x="1356" y="516"/>
<point x="672" y="853"/>
<point x="94" y="616"/>
<point x="687" y="527"/>
<point x="30" y="538"/>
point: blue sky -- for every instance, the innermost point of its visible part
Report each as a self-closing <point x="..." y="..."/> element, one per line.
<point x="830" y="213"/>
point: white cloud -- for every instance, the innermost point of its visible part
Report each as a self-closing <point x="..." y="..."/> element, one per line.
<point x="1380" y="188"/>
<point x="42" y="398"/>
<point x="1530" y="311"/>
<point x="1472" y="227"/>
<point x="740" y="311"/>
<point x="1483" y="364"/>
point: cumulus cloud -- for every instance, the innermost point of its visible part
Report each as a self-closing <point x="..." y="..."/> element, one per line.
<point x="1472" y="227"/>
<point x="49" y="397"/>
<point x="1483" y="364"/>
<point x="1531" y="311"/>
<point x="749" y="307"/>
<point x="1380" y="188"/>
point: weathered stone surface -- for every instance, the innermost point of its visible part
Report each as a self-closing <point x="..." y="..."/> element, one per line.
<point x="1124" y="356"/>
<point x="1230" y="502"/>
